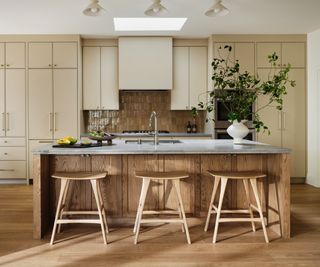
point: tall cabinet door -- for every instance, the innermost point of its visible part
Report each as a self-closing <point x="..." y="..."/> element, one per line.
<point x="109" y="78"/>
<point x="65" y="55"/>
<point x="16" y="102"/>
<point x="270" y="116"/>
<point x="180" y="90"/>
<point x="2" y="107"/>
<point x="294" y="122"/>
<point x="91" y="78"/>
<point x="198" y="75"/>
<point x="40" y="104"/>
<point x="65" y="102"/>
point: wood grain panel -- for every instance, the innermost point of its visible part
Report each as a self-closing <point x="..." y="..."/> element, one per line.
<point x="215" y="163"/>
<point x="111" y="187"/>
<point x="41" y="195"/>
<point x="247" y="163"/>
<point x="141" y="163"/>
<point x="279" y="194"/>
<point x="190" y="164"/>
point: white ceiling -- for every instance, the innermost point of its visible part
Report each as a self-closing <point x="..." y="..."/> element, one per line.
<point x="246" y="17"/>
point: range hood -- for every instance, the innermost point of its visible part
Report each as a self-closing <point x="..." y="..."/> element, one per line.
<point x="145" y="63"/>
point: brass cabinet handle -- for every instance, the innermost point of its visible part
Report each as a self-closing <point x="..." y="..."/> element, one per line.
<point x="50" y="65"/>
<point x="8" y="65"/>
<point x="45" y="142"/>
<point x="55" y="121"/>
<point x="6" y="170"/>
<point x="55" y="65"/>
<point x="50" y="121"/>
<point x="5" y="153"/>
<point x="3" y="121"/>
<point x="2" y="65"/>
<point x="8" y="122"/>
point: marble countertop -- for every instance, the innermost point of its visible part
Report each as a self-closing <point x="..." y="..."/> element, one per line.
<point x="212" y="146"/>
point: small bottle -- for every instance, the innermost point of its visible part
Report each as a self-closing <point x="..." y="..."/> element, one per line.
<point x="194" y="127"/>
<point x="189" y="127"/>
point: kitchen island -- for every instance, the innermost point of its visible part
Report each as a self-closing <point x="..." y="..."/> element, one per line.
<point x="121" y="189"/>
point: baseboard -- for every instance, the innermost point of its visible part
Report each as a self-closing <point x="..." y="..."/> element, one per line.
<point x="298" y="180"/>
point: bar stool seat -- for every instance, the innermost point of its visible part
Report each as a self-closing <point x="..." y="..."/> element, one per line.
<point x="174" y="177"/>
<point x="245" y="176"/>
<point x="66" y="178"/>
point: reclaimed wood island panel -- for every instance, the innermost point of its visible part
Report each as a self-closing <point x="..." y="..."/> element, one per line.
<point x="121" y="189"/>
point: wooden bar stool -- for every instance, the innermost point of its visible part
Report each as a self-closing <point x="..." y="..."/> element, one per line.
<point x="175" y="177"/>
<point x="245" y="177"/>
<point x="94" y="178"/>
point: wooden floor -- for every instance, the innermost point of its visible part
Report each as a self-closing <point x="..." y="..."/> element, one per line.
<point x="160" y="246"/>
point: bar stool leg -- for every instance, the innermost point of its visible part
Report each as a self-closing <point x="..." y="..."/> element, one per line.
<point x="214" y="192"/>
<point x="63" y="204"/>
<point x="138" y="210"/>
<point x="96" y="196"/>
<point x="180" y="216"/>
<point x="144" y="190"/>
<point x="104" y="216"/>
<point x="246" y="189"/>
<point x="255" y="191"/>
<point x="222" y="191"/>
<point x="62" y="192"/>
<point x="177" y="187"/>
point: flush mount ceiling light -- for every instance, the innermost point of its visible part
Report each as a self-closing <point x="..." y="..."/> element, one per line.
<point x="94" y="9"/>
<point x="156" y="9"/>
<point x="217" y="9"/>
<point x="148" y="24"/>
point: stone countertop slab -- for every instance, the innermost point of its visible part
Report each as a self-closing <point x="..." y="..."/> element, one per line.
<point x="184" y="147"/>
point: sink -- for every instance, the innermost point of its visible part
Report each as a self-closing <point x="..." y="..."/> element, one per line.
<point x="149" y="141"/>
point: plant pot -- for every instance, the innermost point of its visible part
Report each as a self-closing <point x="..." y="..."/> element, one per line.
<point x="238" y="130"/>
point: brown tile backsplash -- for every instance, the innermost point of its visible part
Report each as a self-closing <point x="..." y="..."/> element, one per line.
<point x="134" y="113"/>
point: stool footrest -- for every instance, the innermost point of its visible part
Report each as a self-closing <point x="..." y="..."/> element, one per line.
<point x="239" y="220"/>
<point x="63" y="221"/>
<point x="80" y="212"/>
<point x="232" y="211"/>
<point x="161" y="221"/>
<point x="150" y="212"/>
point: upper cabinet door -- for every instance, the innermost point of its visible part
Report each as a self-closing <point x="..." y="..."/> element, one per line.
<point x="295" y="54"/>
<point x="180" y="90"/>
<point x="198" y="75"/>
<point x="65" y="102"/>
<point x="65" y="55"/>
<point x="244" y="52"/>
<point x="91" y="78"/>
<point x="2" y="108"/>
<point x="40" y="104"/>
<point x="16" y="102"/>
<point x="109" y="78"/>
<point x="2" y="62"/>
<point x="266" y="49"/>
<point x="16" y="55"/>
<point x="40" y="55"/>
<point x="219" y="51"/>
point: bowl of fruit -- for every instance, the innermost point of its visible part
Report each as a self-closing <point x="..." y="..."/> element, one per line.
<point x="101" y="136"/>
<point x="68" y="140"/>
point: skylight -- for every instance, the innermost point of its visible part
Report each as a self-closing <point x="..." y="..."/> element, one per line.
<point x="148" y="24"/>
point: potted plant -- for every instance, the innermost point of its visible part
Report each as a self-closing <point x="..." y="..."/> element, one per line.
<point x="238" y="91"/>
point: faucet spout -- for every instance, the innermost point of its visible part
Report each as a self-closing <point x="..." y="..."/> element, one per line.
<point x="153" y="117"/>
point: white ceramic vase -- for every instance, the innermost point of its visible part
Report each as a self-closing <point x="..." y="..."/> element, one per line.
<point x="238" y="130"/>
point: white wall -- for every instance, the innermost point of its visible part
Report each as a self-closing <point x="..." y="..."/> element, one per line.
<point x="313" y="169"/>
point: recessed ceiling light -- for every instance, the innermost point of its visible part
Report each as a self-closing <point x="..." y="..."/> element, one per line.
<point x="148" y="24"/>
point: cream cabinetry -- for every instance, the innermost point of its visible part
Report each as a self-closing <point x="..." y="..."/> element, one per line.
<point x="53" y="55"/>
<point x="100" y="78"/>
<point x="52" y="103"/>
<point x="12" y="158"/>
<point x="12" y="89"/>
<point x="242" y="51"/>
<point x="288" y="127"/>
<point x="288" y="52"/>
<point x="189" y="77"/>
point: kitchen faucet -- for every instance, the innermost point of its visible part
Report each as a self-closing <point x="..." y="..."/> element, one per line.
<point x="154" y="117"/>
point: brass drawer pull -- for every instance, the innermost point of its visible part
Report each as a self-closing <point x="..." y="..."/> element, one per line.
<point x="7" y="170"/>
